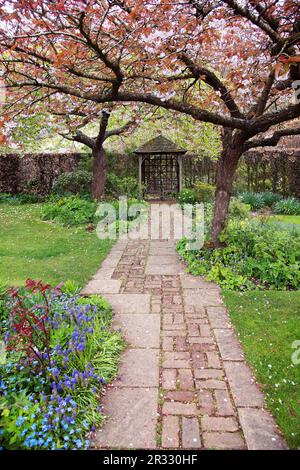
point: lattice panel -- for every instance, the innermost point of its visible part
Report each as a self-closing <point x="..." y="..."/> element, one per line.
<point x="160" y="174"/>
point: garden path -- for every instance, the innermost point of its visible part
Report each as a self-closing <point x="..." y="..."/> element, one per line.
<point x="183" y="381"/>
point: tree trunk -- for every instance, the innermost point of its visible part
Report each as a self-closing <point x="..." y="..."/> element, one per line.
<point x="99" y="173"/>
<point x="226" y="167"/>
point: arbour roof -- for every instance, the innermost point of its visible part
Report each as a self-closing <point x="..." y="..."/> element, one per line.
<point x="159" y="144"/>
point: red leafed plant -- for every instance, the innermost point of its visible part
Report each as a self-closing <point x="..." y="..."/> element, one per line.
<point x="29" y="326"/>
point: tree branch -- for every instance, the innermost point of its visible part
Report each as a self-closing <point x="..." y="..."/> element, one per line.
<point x="272" y="140"/>
<point x="212" y="80"/>
<point x="260" y="106"/>
<point x="119" y="130"/>
<point x="256" y="20"/>
<point x="102" y="128"/>
<point x="114" y="67"/>
<point x="110" y="97"/>
<point x="266" y="121"/>
<point x="80" y="137"/>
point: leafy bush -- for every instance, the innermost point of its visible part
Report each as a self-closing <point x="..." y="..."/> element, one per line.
<point x="204" y="192"/>
<point x="73" y="182"/>
<point x="70" y="211"/>
<point x="74" y="210"/>
<point x="270" y="198"/>
<point x="60" y="353"/>
<point x="139" y="205"/>
<point x="257" y="254"/>
<point x="259" y="200"/>
<point x="255" y="200"/>
<point x="238" y="209"/>
<point x="186" y="196"/>
<point x="289" y="206"/>
<point x="5" y="198"/>
<point x="126" y="186"/>
<point x="20" y="198"/>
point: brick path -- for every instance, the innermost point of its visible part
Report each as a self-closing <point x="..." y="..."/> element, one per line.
<point x="183" y="382"/>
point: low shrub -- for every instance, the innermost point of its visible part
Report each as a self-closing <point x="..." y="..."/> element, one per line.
<point x="257" y="255"/>
<point x="20" y="198"/>
<point x="186" y="196"/>
<point x="255" y="200"/>
<point x="204" y="192"/>
<point x="259" y="200"/>
<point x="126" y="186"/>
<point x="201" y="192"/>
<point x="61" y="351"/>
<point x="73" y="210"/>
<point x="70" y="211"/>
<point x="270" y="198"/>
<point x="5" y="198"/>
<point x="237" y="209"/>
<point x="289" y="206"/>
<point x="73" y="182"/>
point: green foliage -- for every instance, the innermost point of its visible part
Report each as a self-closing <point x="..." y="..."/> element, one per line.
<point x="5" y="198"/>
<point x="186" y="196"/>
<point x="70" y="211"/>
<point x="204" y="192"/>
<point x="75" y="211"/>
<point x="201" y="192"/>
<point x="255" y="200"/>
<point x="259" y="200"/>
<point x="270" y="198"/>
<point x="4" y="308"/>
<point x="256" y="255"/>
<point x="73" y="182"/>
<point x="29" y="132"/>
<point x="70" y="287"/>
<point x="289" y="206"/>
<point x="126" y="186"/>
<point x="238" y="209"/>
<point x="21" y="198"/>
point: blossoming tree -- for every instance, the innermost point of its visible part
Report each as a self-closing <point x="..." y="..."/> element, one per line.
<point x="219" y="61"/>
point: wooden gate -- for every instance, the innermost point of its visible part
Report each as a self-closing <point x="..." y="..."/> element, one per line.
<point x="160" y="175"/>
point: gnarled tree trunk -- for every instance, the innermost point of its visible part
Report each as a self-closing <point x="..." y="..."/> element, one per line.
<point x="99" y="172"/>
<point x="226" y="167"/>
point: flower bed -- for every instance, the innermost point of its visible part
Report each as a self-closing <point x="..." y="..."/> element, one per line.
<point x="61" y="351"/>
<point x="256" y="254"/>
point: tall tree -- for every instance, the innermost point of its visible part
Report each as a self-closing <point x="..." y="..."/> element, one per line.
<point x="96" y="146"/>
<point x="215" y="60"/>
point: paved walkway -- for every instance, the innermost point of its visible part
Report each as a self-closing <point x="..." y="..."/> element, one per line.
<point x="183" y="382"/>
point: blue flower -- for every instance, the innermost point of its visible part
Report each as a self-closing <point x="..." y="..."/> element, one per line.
<point x="20" y="420"/>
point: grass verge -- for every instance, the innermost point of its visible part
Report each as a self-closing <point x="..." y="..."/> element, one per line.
<point x="32" y="248"/>
<point x="268" y="324"/>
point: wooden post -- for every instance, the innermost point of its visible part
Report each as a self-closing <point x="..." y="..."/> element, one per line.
<point x="180" y="172"/>
<point x="140" y="176"/>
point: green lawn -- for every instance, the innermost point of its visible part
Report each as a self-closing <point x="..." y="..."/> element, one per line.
<point x="268" y="324"/>
<point x="287" y="219"/>
<point x="32" y="248"/>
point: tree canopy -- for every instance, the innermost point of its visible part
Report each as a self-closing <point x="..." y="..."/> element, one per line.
<point x="217" y="61"/>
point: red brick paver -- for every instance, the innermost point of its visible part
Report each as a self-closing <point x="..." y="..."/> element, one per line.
<point x="183" y="382"/>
